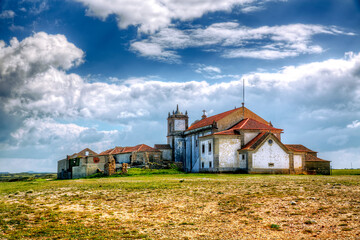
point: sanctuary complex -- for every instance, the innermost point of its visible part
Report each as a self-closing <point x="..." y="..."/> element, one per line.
<point x="237" y="141"/>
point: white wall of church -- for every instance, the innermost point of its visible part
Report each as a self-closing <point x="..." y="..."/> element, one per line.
<point x="297" y="161"/>
<point x="249" y="136"/>
<point x="207" y="153"/>
<point x="270" y="156"/>
<point x="228" y="155"/>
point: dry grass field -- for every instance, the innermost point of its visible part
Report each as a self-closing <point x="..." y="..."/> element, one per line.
<point x="183" y="206"/>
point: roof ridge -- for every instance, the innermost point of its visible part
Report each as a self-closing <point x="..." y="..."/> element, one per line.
<point x="246" y="120"/>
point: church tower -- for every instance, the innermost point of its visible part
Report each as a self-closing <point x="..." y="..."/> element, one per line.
<point x="177" y="124"/>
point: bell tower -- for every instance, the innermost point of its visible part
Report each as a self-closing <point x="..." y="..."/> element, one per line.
<point x="177" y="124"/>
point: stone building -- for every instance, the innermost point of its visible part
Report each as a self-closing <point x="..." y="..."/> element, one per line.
<point x="68" y="167"/>
<point x="139" y="155"/>
<point x="88" y="162"/>
<point x="166" y="151"/>
<point x="237" y="140"/>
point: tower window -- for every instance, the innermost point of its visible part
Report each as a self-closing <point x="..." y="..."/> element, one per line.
<point x="243" y="156"/>
<point x="202" y="164"/>
<point x="203" y="148"/>
<point x="210" y="164"/>
<point x="209" y="147"/>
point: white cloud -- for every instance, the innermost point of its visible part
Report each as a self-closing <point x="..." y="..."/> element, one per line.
<point x="344" y="158"/>
<point x="7" y="14"/>
<point x="233" y="40"/>
<point x="16" y="28"/>
<point x="354" y="124"/>
<point x="45" y="131"/>
<point x="153" y="15"/>
<point x="25" y="60"/>
<point x="208" y="70"/>
<point x="47" y="92"/>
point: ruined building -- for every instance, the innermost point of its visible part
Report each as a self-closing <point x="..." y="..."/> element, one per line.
<point x="237" y="140"/>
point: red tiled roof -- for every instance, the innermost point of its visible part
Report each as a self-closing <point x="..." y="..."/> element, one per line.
<point x="227" y="132"/>
<point x="116" y="150"/>
<point x="312" y="158"/>
<point x="252" y="124"/>
<point x="106" y="152"/>
<point x="209" y="120"/>
<point x="298" y="148"/>
<point x="255" y="141"/>
<point x="137" y="148"/>
<point x="248" y="124"/>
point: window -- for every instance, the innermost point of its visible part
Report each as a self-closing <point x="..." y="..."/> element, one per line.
<point x="203" y="148"/>
<point x="87" y="153"/>
<point x="243" y="156"/>
<point x="196" y="142"/>
<point x="210" y="164"/>
<point x="202" y="164"/>
<point x="270" y="141"/>
<point x="209" y="147"/>
<point x="271" y="164"/>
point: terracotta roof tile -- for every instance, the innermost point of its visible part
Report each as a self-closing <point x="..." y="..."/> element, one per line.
<point x="209" y="120"/>
<point x="227" y="132"/>
<point x="106" y="152"/>
<point x="252" y="124"/>
<point x="255" y="141"/>
<point x="312" y="158"/>
<point x="116" y="150"/>
<point x="298" y="148"/>
<point x="137" y="148"/>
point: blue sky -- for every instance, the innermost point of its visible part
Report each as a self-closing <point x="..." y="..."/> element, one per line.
<point x="99" y="74"/>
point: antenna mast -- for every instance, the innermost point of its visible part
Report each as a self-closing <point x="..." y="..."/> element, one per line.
<point x="243" y="102"/>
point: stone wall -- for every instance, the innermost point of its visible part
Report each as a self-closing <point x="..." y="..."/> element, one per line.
<point x="317" y="167"/>
<point x="63" y="170"/>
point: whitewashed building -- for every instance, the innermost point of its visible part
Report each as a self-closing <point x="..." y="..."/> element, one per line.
<point x="237" y="140"/>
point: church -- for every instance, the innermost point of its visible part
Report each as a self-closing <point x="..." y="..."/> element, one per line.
<point x="240" y="141"/>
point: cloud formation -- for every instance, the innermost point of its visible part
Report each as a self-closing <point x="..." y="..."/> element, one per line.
<point x="7" y="14"/>
<point x="233" y="40"/>
<point x="354" y="124"/>
<point x="42" y="94"/>
<point x="150" y="16"/>
<point x="22" y="61"/>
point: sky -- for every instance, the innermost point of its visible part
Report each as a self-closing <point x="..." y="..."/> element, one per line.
<point x="100" y="73"/>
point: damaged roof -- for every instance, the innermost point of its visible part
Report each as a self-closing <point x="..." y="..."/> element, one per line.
<point x="137" y="148"/>
<point x="82" y="153"/>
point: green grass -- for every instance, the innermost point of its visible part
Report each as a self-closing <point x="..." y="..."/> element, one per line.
<point x="14" y="177"/>
<point x="167" y="204"/>
<point x="346" y="172"/>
